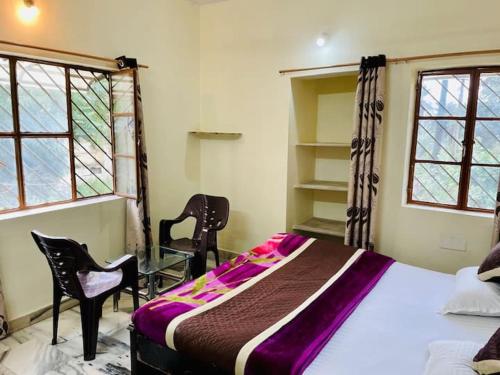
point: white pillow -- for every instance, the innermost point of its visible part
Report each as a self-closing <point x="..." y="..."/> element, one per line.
<point x="473" y="296"/>
<point x="451" y="358"/>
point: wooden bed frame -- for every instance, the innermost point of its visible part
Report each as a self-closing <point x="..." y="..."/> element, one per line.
<point x="149" y="358"/>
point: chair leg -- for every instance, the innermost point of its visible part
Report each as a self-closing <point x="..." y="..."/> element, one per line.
<point x="55" y="314"/>
<point x="198" y="264"/>
<point x="90" y="326"/>
<point x="116" y="299"/>
<point x="216" y="254"/>
<point x="160" y="282"/>
<point x="203" y="261"/>
<point x="133" y="352"/>
<point x="135" y="294"/>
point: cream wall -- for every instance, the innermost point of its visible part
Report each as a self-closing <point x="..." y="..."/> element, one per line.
<point x="161" y="33"/>
<point x="25" y="274"/>
<point x="413" y="235"/>
<point x="245" y="43"/>
<point x="217" y="68"/>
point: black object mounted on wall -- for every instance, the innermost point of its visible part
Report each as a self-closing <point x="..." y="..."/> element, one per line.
<point x="125" y="62"/>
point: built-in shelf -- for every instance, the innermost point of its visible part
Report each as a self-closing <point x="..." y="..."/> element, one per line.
<point x="319" y="141"/>
<point x="222" y="134"/>
<point x="325" y="144"/>
<point x="322" y="226"/>
<point x="323" y="185"/>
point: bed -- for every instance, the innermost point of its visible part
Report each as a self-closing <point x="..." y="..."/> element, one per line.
<point x="387" y="332"/>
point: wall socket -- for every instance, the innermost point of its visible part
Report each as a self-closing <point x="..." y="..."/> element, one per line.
<point x="455" y="242"/>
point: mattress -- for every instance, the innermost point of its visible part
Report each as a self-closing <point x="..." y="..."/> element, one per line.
<point x="390" y="330"/>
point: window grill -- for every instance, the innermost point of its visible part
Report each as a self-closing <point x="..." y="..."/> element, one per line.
<point x="455" y="159"/>
<point x="57" y="133"/>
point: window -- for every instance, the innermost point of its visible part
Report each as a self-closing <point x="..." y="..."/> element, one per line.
<point x="455" y="159"/>
<point x="57" y="131"/>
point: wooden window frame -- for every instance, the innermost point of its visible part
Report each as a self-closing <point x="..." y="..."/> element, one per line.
<point x="470" y="119"/>
<point x="17" y="135"/>
<point x="133" y="73"/>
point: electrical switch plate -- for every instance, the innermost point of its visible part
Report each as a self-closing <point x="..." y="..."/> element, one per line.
<point x="455" y="242"/>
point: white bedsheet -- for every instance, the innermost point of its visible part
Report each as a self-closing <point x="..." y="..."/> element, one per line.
<point x="390" y="330"/>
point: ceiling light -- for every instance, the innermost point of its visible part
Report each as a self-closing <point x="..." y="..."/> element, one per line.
<point x="28" y="11"/>
<point x="321" y="40"/>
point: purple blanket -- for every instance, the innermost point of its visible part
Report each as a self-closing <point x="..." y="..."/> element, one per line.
<point x="269" y="312"/>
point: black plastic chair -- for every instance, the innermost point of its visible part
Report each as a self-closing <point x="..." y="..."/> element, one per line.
<point x="211" y="214"/>
<point x="75" y="274"/>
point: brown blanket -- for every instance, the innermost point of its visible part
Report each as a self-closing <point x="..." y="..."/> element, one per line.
<point x="223" y="330"/>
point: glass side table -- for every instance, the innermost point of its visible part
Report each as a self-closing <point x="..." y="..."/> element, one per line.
<point x="152" y="265"/>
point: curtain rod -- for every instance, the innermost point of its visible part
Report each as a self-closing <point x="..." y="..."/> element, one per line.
<point x="60" y="51"/>
<point x="397" y="60"/>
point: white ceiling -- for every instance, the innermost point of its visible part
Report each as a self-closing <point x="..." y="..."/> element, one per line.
<point x="202" y="2"/>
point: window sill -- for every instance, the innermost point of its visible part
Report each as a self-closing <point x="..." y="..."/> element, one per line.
<point x="58" y="207"/>
<point x="450" y="211"/>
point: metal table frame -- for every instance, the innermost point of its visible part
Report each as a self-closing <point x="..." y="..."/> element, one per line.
<point x="153" y="268"/>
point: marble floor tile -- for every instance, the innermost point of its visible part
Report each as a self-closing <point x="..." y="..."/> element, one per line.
<point x="29" y="352"/>
<point x="38" y="358"/>
<point x="69" y="326"/>
<point x="5" y="371"/>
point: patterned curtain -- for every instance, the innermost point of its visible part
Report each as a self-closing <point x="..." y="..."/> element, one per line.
<point x="138" y="234"/>
<point x="496" y="228"/>
<point x="365" y="153"/>
<point x="4" y="325"/>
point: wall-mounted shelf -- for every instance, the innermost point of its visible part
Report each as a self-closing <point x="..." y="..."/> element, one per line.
<point x="325" y="144"/>
<point x="322" y="226"/>
<point x="123" y="114"/>
<point x="323" y="185"/>
<point x="215" y="134"/>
